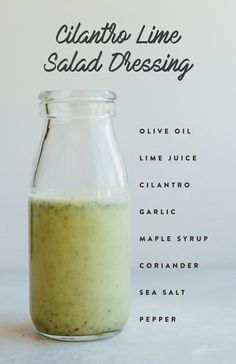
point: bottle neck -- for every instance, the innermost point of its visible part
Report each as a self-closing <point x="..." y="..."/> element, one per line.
<point x="77" y="105"/>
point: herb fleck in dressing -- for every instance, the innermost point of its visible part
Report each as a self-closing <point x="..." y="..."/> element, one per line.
<point x="79" y="262"/>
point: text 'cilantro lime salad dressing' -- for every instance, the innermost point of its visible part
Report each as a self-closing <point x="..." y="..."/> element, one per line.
<point x="79" y="220"/>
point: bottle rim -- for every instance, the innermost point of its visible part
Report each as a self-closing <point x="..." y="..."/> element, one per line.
<point x="77" y="94"/>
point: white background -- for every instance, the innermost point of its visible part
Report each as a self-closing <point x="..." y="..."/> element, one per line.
<point x="204" y="102"/>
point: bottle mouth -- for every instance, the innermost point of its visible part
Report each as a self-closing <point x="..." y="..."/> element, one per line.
<point x="77" y="103"/>
<point x="80" y="95"/>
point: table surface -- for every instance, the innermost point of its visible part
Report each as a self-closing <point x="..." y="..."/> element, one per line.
<point x="204" y="332"/>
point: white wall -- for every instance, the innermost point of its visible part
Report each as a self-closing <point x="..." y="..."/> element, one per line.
<point x="204" y="102"/>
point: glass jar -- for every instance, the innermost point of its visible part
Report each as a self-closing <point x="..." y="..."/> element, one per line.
<point x="79" y="220"/>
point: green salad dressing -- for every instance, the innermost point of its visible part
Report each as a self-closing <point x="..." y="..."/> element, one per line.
<point x="79" y="263"/>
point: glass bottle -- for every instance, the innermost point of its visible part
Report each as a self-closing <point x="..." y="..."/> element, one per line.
<point x="79" y="220"/>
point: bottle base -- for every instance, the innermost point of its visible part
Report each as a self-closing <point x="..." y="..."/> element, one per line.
<point x="80" y="338"/>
